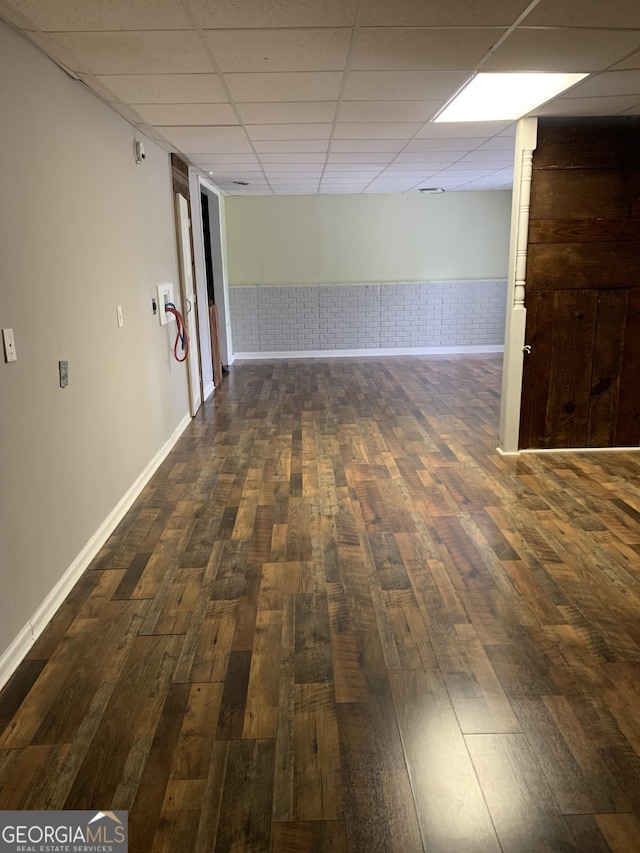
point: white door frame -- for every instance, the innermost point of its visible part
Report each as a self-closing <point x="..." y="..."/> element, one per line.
<point x="514" y="338"/>
<point x="188" y="300"/>
<point x="220" y="278"/>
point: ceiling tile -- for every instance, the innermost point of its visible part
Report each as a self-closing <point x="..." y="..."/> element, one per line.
<point x="291" y="146"/>
<point x="253" y="170"/>
<point x="388" y="111"/>
<point x="284" y="189"/>
<point x="469" y="130"/>
<point x="421" y="168"/>
<point x="442" y="181"/>
<point x="383" y="146"/>
<point x="276" y="13"/>
<point x="634" y="111"/>
<point x="460" y="175"/>
<point x="489" y="156"/>
<point x="568" y="13"/>
<point x="92" y="15"/>
<point x="608" y="83"/>
<point x="137" y="52"/>
<point x="401" y="85"/>
<point x="289" y="131"/>
<point x="498" y="143"/>
<point x="211" y="160"/>
<point x="165" y="88"/>
<point x="588" y="106"/>
<point x="186" y="114"/>
<point x="280" y="50"/>
<point x="460" y="144"/>
<point x="308" y="168"/>
<point x="285" y="86"/>
<point x="442" y="13"/>
<point x="362" y="157"/>
<point x="632" y="62"/>
<point x="388" y="187"/>
<point x="430" y="168"/>
<point x="283" y="178"/>
<point x="429" y="156"/>
<point x="309" y="157"/>
<point x="487" y="168"/>
<point x="406" y="178"/>
<point x="379" y="130"/>
<point x="230" y="175"/>
<point x="346" y="171"/>
<point x="531" y="49"/>
<point x="200" y="140"/>
<point x="288" y="112"/>
<point x="402" y="49"/>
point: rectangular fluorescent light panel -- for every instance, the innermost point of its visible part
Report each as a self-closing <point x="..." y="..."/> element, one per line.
<point x="503" y="97"/>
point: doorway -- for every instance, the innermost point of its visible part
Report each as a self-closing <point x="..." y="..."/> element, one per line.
<point x="188" y="300"/>
<point x="211" y="298"/>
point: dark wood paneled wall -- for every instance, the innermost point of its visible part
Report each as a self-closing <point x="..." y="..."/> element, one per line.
<point x="581" y="380"/>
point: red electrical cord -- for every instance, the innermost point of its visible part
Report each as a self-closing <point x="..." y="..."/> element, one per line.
<point x="181" y="333"/>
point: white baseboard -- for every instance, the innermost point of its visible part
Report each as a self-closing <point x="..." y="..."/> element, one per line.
<point x="581" y="449"/>
<point x="13" y="656"/>
<point x="568" y="450"/>
<point x="359" y="353"/>
<point x="208" y="390"/>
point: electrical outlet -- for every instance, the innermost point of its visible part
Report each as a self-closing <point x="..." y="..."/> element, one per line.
<point x="165" y="294"/>
<point x="120" y="317"/>
<point x="9" y="346"/>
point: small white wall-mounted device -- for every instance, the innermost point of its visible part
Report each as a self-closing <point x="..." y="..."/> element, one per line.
<point x="9" y="346"/>
<point x="165" y="294"/>
<point x="138" y="150"/>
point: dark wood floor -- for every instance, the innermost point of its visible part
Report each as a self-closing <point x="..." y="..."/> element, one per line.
<point x="338" y="620"/>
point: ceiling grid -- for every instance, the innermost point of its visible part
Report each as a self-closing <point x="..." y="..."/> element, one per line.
<point x="295" y="96"/>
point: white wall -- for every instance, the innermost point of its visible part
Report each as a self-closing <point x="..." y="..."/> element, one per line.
<point x="82" y="229"/>
<point x="359" y="238"/>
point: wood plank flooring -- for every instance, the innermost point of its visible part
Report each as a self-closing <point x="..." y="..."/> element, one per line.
<point x="337" y="620"/>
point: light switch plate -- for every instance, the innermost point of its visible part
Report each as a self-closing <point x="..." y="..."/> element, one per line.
<point x="120" y="317"/>
<point x="63" y="367"/>
<point x="9" y="346"/>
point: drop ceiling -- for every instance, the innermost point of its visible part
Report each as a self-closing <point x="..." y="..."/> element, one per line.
<point x="333" y="96"/>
